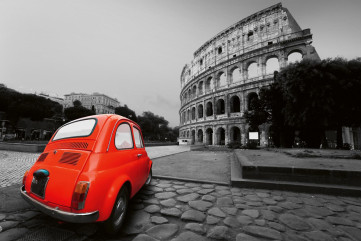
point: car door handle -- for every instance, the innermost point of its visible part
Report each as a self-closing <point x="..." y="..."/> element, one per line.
<point x="139" y="155"/>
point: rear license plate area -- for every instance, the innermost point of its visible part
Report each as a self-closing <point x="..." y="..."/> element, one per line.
<point x="38" y="186"/>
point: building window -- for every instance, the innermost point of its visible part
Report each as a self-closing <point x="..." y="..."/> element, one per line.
<point x="219" y="50"/>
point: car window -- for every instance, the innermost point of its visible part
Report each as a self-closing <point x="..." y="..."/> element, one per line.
<point x="123" y="139"/>
<point x="137" y="138"/>
<point x="80" y="128"/>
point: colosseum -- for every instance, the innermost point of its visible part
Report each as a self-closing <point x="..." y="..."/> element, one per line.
<point x="228" y="71"/>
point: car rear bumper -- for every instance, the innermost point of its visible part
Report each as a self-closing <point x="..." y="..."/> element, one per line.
<point x="59" y="214"/>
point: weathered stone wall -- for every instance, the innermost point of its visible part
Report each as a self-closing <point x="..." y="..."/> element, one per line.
<point x="230" y="68"/>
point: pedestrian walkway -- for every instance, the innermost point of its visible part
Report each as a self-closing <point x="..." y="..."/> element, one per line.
<point x="161" y="151"/>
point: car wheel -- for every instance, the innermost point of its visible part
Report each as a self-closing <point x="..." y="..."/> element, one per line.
<point x="118" y="215"/>
<point x="149" y="178"/>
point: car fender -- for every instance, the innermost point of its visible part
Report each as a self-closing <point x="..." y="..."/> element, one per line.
<point x="111" y="196"/>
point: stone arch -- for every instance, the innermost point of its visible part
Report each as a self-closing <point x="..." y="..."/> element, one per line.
<point x="201" y="87"/>
<point x="209" y="84"/>
<point x="209" y="133"/>
<point x="200" y="111"/>
<point x="295" y="56"/>
<point x="193" y="137"/>
<point x="200" y="136"/>
<point x="252" y="70"/>
<point x="271" y="65"/>
<point x="194" y="88"/>
<point x="221" y="79"/>
<point x="251" y="97"/>
<point x="235" y="74"/>
<point x="234" y="104"/>
<point x="220" y="136"/>
<point x="188" y="115"/>
<point x="220" y="107"/>
<point x="188" y="134"/>
<point x="235" y="134"/>
<point x="209" y="109"/>
<point x="189" y="93"/>
<point x="193" y="113"/>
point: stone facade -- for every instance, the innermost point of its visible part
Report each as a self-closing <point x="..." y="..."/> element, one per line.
<point x="101" y="103"/>
<point x="229" y="70"/>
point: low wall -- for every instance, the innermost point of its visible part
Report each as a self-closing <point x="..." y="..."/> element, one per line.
<point x="160" y="144"/>
<point x="22" y="147"/>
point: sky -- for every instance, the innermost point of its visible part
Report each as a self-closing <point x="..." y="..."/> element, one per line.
<point x="135" y="50"/>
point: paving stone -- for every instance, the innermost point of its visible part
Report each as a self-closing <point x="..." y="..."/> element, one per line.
<point x="192" y="185"/>
<point x="294" y="237"/>
<point x="2" y="216"/>
<point x="184" y="191"/>
<point x="318" y="236"/>
<point x="225" y="201"/>
<point x="251" y="213"/>
<point x="278" y="198"/>
<point x="151" y="201"/>
<point x="178" y="186"/>
<point x="294" y="222"/>
<point x="144" y="237"/>
<point x="200" y="205"/>
<point x="195" y="189"/>
<point x="263" y="232"/>
<point x="335" y="208"/>
<point x="32" y="223"/>
<point x="152" y="209"/>
<point x="165" y="195"/>
<point x="168" y="202"/>
<point x="319" y="224"/>
<point x="231" y="222"/>
<point x="163" y="231"/>
<point x="205" y="191"/>
<point x="268" y="215"/>
<point x="171" y="212"/>
<point x="242" y="206"/>
<point x="193" y="215"/>
<point x="147" y="192"/>
<point x="275" y="209"/>
<point x="317" y="211"/>
<point x="188" y="197"/>
<point x="312" y="202"/>
<point x="212" y="220"/>
<point x="189" y="236"/>
<point x="238" y="200"/>
<point x="296" y="200"/>
<point x="353" y="208"/>
<point x="340" y="221"/>
<point x="276" y="226"/>
<point x="230" y="210"/>
<point x="289" y="205"/>
<point x="224" y="192"/>
<point x="23" y="216"/>
<point x="253" y="198"/>
<point x="221" y="187"/>
<point x="245" y="237"/>
<point x="216" y="212"/>
<point x="13" y="234"/>
<point x="156" y="189"/>
<point x="137" y="206"/>
<point x="136" y="222"/>
<point x="260" y="222"/>
<point x="269" y="201"/>
<point x="158" y="220"/>
<point x="195" y="227"/>
<point x="255" y="204"/>
<point x="163" y="185"/>
<point x="208" y="198"/>
<point x="219" y="232"/>
<point x="208" y="185"/>
<point x="245" y="220"/>
<point x="353" y="232"/>
<point x="8" y="225"/>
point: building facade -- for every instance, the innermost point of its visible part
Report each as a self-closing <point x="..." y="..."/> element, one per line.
<point x="228" y="71"/>
<point x="102" y="104"/>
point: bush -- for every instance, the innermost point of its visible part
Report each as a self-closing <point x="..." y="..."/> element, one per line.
<point x="234" y="145"/>
<point x="251" y="145"/>
<point x="346" y="146"/>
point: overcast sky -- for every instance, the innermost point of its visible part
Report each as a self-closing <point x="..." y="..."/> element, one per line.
<point x="135" y="50"/>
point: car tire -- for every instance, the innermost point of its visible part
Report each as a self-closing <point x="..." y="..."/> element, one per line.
<point x="118" y="215"/>
<point x="149" y="178"/>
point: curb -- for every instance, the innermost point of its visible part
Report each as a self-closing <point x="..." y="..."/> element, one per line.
<point x="190" y="180"/>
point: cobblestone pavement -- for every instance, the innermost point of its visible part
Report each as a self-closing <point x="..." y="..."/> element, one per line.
<point x="177" y="211"/>
<point x="13" y="166"/>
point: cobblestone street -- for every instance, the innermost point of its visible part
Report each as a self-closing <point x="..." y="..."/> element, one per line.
<point x="178" y="210"/>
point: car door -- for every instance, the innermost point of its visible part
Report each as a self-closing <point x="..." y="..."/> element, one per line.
<point x="141" y="152"/>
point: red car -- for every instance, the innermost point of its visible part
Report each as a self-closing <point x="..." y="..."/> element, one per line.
<point x="89" y="170"/>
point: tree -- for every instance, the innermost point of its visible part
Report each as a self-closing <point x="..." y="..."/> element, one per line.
<point x="73" y="113"/>
<point x="126" y="112"/>
<point x="154" y="127"/>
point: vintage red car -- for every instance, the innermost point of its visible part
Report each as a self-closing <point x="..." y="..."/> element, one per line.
<point x="89" y="170"/>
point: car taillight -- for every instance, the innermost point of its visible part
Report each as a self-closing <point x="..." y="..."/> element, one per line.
<point x="24" y="177"/>
<point x="79" y="195"/>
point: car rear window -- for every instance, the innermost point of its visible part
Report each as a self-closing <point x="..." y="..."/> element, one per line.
<point x="80" y="128"/>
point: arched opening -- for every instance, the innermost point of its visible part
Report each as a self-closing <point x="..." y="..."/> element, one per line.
<point x="209" y="110"/>
<point x="200" y="111"/>
<point x="189" y="94"/>
<point x="188" y="115"/>
<point x="253" y="101"/>
<point x="208" y="86"/>
<point x="235" y="135"/>
<point x="219" y="50"/>
<point x="188" y="134"/>
<point x="201" y="88"/>
<point x="194" y="91"/>
<point x="220" y="136"/>
<point x="252" y="70"/>
<point x="200" y="136"/>
<point x="235" y="75"/>
<point x="193" y="137"/>
<point x="209" y="134"/>
<point x="220" y="107"/>
<point x="221" y="79"/>
<point x="193" y="113"/>
<point x="272" y="65"/>
<point x="294" y="57"/>
<point x="234" y="104"/>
